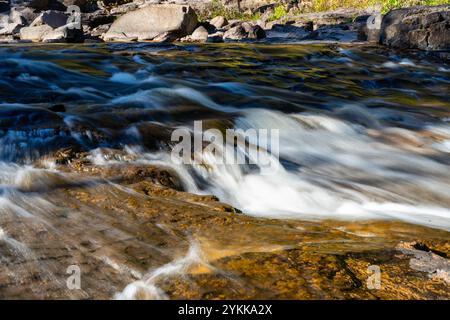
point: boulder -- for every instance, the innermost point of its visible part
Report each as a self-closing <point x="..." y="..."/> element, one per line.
<point x="235" y="33"/>
<point x="219" y="22"/>
<point x="243" y="31"/>
<point x="4" y="20"/>
<point x="66" y="33"/>
<point x="253" y="31"/>
<point x="149" y="22"/>
<point x="12" y="23"/>
<point x="36" y="33"/>
<point x="426" y="28"/>
<point x="200" y="34"/>
<point x="52" y="18"/>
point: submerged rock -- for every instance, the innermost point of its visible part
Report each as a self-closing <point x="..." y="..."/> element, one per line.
<point x="152" y="21"/>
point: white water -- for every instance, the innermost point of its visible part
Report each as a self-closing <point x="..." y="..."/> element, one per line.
<point x="332" y="168"/>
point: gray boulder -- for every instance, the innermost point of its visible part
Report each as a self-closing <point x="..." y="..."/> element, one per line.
<point x="149" y="22"/>
<point x="66" y="33"/>
<point x="200" y="34"/>
<point x="52" y="18"/>
<point x="244" y="31"/>
<point x="218" y="22"/>
<point x="426" y="28"/>
<point x="12" y="24"/>
<point x="36" y="33"/>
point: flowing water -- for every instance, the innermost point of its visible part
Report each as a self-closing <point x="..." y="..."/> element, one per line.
<point x="364" y="134"/>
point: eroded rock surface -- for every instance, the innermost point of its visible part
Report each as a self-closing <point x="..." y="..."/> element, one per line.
<point x="126" y="225"/>
<point x="426" y="28"/>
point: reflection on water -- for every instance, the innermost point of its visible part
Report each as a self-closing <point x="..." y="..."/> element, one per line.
<point x="364" y="134"/>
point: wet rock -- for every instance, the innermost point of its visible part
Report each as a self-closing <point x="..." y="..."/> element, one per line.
<point x="219" y="22"/>
<point x="36" y="33"/>
<point x="341" y="33"/>
<point x="426" y="28"/>
<point x="288" y="32"/>
<point x="425" y="260"/>
<point x="216" y="37"/>
<point x="149" y="22"/>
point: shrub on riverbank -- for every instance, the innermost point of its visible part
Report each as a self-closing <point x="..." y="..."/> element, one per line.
<point x="310" y="6"/>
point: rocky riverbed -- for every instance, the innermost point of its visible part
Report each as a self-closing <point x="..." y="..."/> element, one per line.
<point x="86" y="179"/>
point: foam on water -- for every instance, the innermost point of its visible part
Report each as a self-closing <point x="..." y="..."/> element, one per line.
<point x="147" y="288"/>
<point x="329" y="168"/>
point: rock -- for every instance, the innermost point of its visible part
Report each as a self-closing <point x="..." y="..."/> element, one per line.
<point x="219" y="22"/>
<point x="426" y="28"/>
<point x="235" y="33"/>
<point x="66" y="33"/>
<point x="149" y="22"/>
<point x="254" y="31"/>
<point x="341" y="33"/>
<point x="124" y="8"/>
<point x="52" y="18"/>
<point x="35" y="4"/>
<point x="200" y="34"/>
<point x="97" y="18"/>
<point x="79" y="3"/>
<point x="245" y="31"/>
<point x="216" y="37"/>
<point x="4" y="20"/>
<point x="288" y="32"/>
<point x="100" y="30"/>
<point x="12" y="23"/>
<point x="36" y="33"/>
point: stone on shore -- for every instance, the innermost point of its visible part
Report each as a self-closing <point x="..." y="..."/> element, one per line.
<point x="52" y="18"/>
<point x="218" y="22"/>
<point x="245" y="31"/>
<point x="12" y="23"/>
<point x="426" y="28"/>
<point x="152" y="21"/>
<point x="36" y="33"/>
<point x="66" y="33"/>
<point x="200" y="34"/>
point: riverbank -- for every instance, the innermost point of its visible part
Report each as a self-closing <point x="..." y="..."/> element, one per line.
<point x="424" y="28"/>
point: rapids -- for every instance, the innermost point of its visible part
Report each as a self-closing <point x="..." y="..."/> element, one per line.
<point x="364" y="134"/>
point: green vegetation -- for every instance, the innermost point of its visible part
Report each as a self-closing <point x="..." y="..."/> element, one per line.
<point x="306" y="6"/>
<point x="386" y="5"/>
